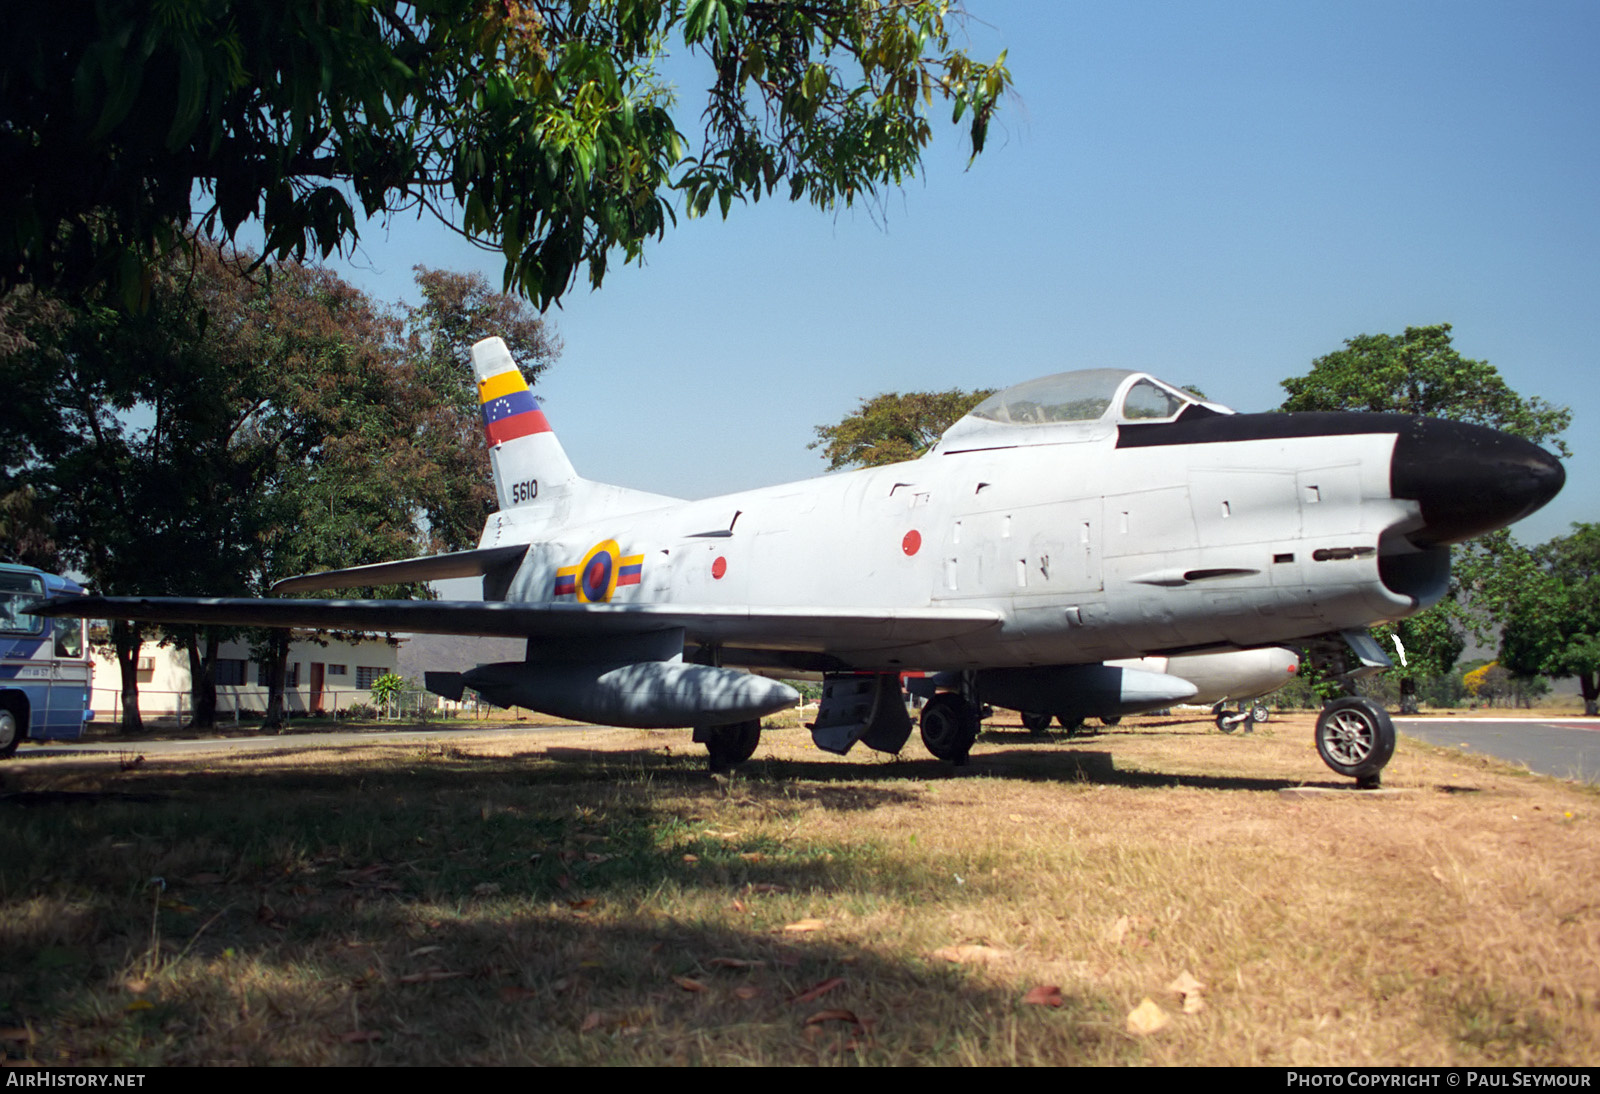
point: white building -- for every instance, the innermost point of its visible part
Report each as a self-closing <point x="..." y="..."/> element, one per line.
<point x="320" y="678"/>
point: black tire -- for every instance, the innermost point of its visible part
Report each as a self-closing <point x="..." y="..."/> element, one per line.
<point x="1034" y="722"/>
<point x="1227" y="720"/>
<point x="1112" y="720"/>
<point x="949" y="727"/>
<point x="1355" y="737"/>
<point x="1259" y="713"/>
<point x="13" y="728"/>
<point x="732" y="744"/>
<point x="1073" y="726"/>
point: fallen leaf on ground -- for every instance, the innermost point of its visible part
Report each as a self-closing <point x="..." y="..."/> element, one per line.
<point x="1189" y="990"/>
<point x="688" y="983"/>
<point x="1124" y="926"/>
<point x="1147" y="1018"/>
<point x="735" y="963"/>
<point x="971" y="954"/>
<point x="818" y="990"/>
<point x="513" y="993"/>
<point x="801" y="925"/>
<point x="746" y="992"/>
<point x="833" y="1016"/>
<point x="591" y="1021"/>
<point x="1045" y="995"/>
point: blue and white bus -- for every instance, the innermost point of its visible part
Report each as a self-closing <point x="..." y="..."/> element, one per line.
<point x="44" y="663"/>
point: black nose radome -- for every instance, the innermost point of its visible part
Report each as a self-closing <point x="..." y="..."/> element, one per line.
<point x="1469" y="479"/>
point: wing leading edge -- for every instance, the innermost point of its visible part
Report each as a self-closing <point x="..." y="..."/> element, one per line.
<point x="818" y="629"/>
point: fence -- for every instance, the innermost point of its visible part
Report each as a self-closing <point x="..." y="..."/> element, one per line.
<point x="234" y="703"/>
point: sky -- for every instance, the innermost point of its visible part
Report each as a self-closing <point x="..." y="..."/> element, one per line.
<point x="1217" y="193"/>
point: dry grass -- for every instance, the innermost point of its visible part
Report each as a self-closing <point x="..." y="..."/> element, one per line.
<point x="594" y="897"/>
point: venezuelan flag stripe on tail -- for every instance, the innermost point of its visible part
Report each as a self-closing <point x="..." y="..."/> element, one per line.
<point x="509" y="408"/>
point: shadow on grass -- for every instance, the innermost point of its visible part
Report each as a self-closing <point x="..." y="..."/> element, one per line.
<point x="391" y="911"/>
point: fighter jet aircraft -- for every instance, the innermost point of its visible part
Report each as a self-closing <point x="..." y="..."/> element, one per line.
<point x="1064" y="522"/>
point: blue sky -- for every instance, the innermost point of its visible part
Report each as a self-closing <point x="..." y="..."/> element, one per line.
<point x="1216" y="192"/>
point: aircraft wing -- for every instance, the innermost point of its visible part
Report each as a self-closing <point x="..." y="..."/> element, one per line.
<point x="800" y="628"/>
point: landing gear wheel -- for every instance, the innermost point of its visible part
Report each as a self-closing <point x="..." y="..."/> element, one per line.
<point x="11" y="731"/>
<point x="1073" y="726"/>
<point x="732" y="744"/>
<point x="1355" y="737"/>
<point x="1228" y="721"/>
<point x="1259" y="713"/>
<point x="1036" y="724"/>
<point x="1114" y="719"/>
<point x="949" y="727"/>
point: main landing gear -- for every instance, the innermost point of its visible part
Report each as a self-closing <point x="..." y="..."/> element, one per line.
<point x="731" y="744"/>
<point x="949" y="727"/>
<point x="1248" y="717"/>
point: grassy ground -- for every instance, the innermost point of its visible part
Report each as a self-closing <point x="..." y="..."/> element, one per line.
<point x="595" y="897"/>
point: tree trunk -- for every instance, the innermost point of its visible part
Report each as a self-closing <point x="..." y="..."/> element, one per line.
<point x="202" y="678"/>
<point x="277" y="669"/>
<point x="1408" y="695"/>
<point x="1591" y="693"/>
<point x="129" y="639"/>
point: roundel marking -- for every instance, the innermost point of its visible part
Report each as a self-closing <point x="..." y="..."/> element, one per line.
<point x="912" y="543"/>
<point x="597" y="573"/>
<point x="719" y="567"/>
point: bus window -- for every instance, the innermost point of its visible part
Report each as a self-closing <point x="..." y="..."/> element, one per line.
<point x="17" y="591"/>
<point x="69" y="637"/>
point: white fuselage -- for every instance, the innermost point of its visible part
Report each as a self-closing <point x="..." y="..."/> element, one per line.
<point x="1085" y="551"/>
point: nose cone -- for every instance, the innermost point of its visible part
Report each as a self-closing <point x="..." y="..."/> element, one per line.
<point x="1469" y="479"/>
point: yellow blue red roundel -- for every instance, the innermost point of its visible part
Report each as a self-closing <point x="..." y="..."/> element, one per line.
<point x="596" y="578"/>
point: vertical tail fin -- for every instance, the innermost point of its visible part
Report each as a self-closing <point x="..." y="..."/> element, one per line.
<point x="529" y="463"/>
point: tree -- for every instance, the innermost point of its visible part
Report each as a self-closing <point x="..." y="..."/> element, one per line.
<point x="893" y="427"/>
<point x="1421" y="372"/>
<point x="549" y="125"/>
<point x="1550" y="605"/>
<point x="242" y="430"/>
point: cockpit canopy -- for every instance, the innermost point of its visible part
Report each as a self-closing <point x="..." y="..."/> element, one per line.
<point x="1069" y="405"/>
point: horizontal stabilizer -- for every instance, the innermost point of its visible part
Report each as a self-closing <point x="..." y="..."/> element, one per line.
<point x="448" y="685"/>
<point x="427" y="568"/>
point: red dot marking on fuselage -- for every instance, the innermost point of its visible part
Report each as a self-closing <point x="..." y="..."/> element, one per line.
<point x="719" y="567"/>
<point x="912" y="543"/>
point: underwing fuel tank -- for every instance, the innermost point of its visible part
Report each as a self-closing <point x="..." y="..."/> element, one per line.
<point x="1079" y="691"/>
<point x="641" y="695"/>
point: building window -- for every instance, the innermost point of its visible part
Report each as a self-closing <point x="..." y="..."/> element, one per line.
<point x="291" y="674"/>
<point x="231" y="672"/>
<point x="338" y="670"/>
<point x="367" y="675"/>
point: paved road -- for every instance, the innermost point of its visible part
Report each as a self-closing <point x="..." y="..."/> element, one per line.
<point x="1568" y="748"/>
